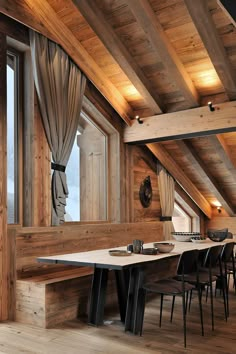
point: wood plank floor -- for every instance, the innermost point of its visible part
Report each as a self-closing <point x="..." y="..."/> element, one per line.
<point x="77" y="337"/>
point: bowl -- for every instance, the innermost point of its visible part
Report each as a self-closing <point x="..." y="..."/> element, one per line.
<point x="164" y="247"/>
<point x="182" y="238"/>
<point x="185" y="236"/>
<point x="197" y="239"/>
<point x="217" y="235"/>
<point x="149" y="251"/>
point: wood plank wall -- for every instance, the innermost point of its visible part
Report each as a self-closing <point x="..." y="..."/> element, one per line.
<point x="221" y="223"/>
<point x="32" y="242"/>
<point x="142" y="164"/>
<point x="4" y="270"/>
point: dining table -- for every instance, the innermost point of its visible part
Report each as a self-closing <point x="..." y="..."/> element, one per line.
<point x="129" y="272"/>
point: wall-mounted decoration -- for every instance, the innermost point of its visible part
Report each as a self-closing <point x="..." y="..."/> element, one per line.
<point x="145" y="192"/>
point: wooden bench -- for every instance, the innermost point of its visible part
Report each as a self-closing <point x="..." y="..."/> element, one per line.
<point x="47" y="294"/>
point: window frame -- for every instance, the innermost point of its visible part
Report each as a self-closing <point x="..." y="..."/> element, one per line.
<point x="18" y="131"/>
<point x="112" y="146"/>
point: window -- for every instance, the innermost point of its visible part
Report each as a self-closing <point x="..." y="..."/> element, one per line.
<point x="181" y="220"/>
<point x="13" y="108"/>
<point x="87" y="174"/>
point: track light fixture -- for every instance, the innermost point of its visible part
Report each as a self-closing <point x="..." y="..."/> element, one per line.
<point x="219" y="209"/>
<point x="211" y="108"/>
<point x="139" y="120"/>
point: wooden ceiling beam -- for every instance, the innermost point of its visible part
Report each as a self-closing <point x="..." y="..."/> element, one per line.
<point x="147" y="19"/>
<point x="120" y="53"/>
<point x="206" y="28"/>
<point x="202" y="170"/>
<point x="222" y="150"/>
<point x="177" y="173"/>
<point x="43" y="13"/>
<point x="183" y="124"/>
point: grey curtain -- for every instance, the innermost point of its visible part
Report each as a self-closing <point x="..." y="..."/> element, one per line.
<point x="166" y="186"/>
<point x="60" y="88"/>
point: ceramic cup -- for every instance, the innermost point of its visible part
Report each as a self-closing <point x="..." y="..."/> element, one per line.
<point x="130" y="248"/>
<point x="137" y="246"/>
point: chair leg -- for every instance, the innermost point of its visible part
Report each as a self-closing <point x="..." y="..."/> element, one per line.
<point x="190" y="300"/>
<point x="200" y="308"/>
<point x="184" y="317"/>
<point x="207" y="292"/>
<point x="172" y="308"/>
<point x="234" y="274"/>
<point x="186" y="302"/>
<point x="161" y="307"/>
<point x="212" y="307"/>
<point x="226" y="288"/>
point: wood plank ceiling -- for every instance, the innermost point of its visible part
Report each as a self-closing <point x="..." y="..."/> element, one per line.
<point x="161" y="60"/>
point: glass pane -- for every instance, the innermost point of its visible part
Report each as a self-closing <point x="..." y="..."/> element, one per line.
<point x="181" y="221"/>
<point x="87" y="175"/>
<point x="73" y="181"/>
<point x="11" y="108"/>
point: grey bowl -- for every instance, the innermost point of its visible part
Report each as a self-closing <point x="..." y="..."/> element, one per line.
<point x="164" y="247"/>
<point x="217" y="236"/>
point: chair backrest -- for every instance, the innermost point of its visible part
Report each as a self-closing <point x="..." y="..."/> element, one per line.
<point x="213" y="256"/>
<point x="188" y="262"/>
<point x="227" y="252"/>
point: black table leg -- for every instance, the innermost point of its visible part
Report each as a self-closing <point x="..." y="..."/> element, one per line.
<point x="98" y="296"/>
<point x="134" y="315"/>
<point x="122" y="285"/>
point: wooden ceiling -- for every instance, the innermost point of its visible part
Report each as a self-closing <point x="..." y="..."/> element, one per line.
<point x="162" y="60"/>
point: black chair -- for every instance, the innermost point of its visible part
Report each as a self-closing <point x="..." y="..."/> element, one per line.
<point x="227" y="259"/>
<point x="188" y="264"/>
<point x="208" y="274"/>
<point x="231" y="270"/>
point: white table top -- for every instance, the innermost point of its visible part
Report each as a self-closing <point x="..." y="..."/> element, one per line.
<point x="102" y="259"/>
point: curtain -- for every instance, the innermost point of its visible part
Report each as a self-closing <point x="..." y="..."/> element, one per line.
<point x="166" y="185"/>
<point x="60" y="88"/>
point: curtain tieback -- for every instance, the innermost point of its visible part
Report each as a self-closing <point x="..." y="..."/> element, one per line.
<point x="165" y="218"/>
<point x="57" y="167"/>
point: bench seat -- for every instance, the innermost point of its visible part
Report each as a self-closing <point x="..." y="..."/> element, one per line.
<point x="49" y="299"/>
<point x="48" y="294"/>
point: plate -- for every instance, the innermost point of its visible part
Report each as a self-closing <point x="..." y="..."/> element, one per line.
<point x="149" y="251"/>
<point x="119" y="253"/>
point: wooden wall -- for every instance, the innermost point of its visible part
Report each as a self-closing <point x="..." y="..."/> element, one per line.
<point x="221" y="223"/>
<point x="141" y="165"/>
<point x="36" y="164"/>
<point x="32" y="242"/>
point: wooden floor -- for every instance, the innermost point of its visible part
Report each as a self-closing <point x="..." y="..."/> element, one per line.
<point x="78" y="337"/>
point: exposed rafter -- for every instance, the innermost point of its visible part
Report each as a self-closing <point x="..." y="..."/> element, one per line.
<point x="206" y="28"/>
<point x="209" y="180"/>
<point x="47" y="17"/>
<point x="183" y="124"/>
<point x="222" y="150"/>
<point x="120" y="53"/>
<point x="169" y="163"/>
<point x="147" y="19"/>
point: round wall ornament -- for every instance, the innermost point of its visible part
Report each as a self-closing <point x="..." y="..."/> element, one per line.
<point x="145" y="192"/>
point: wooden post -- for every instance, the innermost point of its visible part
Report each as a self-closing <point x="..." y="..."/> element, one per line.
<point x="4" y="271"/>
